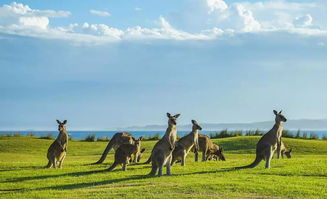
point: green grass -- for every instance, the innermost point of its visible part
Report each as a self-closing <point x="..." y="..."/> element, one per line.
<point x="22" y="175"/>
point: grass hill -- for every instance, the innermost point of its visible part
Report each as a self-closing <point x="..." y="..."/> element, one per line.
<point x="22" y="175"/>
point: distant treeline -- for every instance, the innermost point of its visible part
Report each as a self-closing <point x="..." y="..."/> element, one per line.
<point x="225" y="133"/>
<point x="299" y="134"/>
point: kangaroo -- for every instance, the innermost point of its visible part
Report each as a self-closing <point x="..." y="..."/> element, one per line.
<point x="162" y="151"/>
<point x="285" y="151"/>
<point x="208" y="149"/>
<point x="117" y="140"/>
<point x="216" y="153"/>
<point x="185" y="144"/>
<point x="124" y="152"/>
<point x="268" y="143"/>
<point x="57" y="150"/>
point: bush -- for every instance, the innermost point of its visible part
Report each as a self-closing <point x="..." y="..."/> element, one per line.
<point x="324" y="137"/>
<point x="152" y="137"/>
<point x="287" y="134"/>
<point x="224" y="134"/>
<point x="90" y="138"/>
<point x="103" y="139"/>
<point x="17" y="134"/>
<point x="47" y="137"/>
<point x="31" y="134"/>
<point x="313" y="136"/>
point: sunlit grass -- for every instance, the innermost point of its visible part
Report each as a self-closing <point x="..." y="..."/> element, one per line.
<point x="22" y="175"/>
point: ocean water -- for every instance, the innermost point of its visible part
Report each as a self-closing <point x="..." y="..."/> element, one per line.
<point x="79" y="135"/>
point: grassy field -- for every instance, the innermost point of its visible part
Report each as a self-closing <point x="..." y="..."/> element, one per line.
<point x="22" y="174"/>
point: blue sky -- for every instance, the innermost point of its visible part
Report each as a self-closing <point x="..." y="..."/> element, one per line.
<point x="110" y="64"/>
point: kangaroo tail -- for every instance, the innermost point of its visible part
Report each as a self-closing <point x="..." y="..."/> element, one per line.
<point x="112" y="166"/>
<point x="48" y="165"/>
<point x="106" y="151"/>
<point x="253" y="164"/>
<point x="148" y="161"/>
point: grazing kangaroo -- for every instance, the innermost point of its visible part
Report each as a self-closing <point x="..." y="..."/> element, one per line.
<point x="269" y="142"/>
<point x="185" y="144"/>
<point x="162" y="151"/>
<point x="285" y="151"/>
<point x="208" y="149"/>
<point x="124" y="152"/>
<point x="117" y="140"/>
<point x="216" y="153"/>
<point x="57" y="150"/>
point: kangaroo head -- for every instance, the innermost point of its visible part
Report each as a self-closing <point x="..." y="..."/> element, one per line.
<point x="279" y="117"/>
<point x="140" y="155"/>
<point x="62" y="126"/>
<point x="220" y="154"/>
<point x="196" y="125"/>
<point x="288" y="153"/>
<point x="137" y="142"/>
<point x="172" y="119"/>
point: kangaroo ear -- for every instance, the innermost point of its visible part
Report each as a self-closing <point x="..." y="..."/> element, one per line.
<point x="280" y="111"/>
<point x="64" y="122"/>
<point x="193" y="121"/>
<point x="140" y="138"/>
<point x="133" y="139"/>
<point x="58" y="122"/>
<point x="177" y="115"/>
<point x="275" y="112"/>
<point x="168" y="115"/>
<point x="142" y="150"/>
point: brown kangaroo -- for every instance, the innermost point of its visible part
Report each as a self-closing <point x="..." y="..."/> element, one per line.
<point x="162" y="151"/>
<point x="124" y="152"/>
<point x="185" y="144"/>
<point x="117" y="140"/>
<point x="285" y="151"/>
<point x="57" y="150"/>
<point x="216" y="153"/>
<point x="268" y="143"/>
<point x="208" y="149"/>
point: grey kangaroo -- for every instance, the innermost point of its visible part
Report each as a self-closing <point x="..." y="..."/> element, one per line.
<point x="57" y="150"/>
<point x="162" y="151"/>
<point x="269" y="142"/>
<point x="124" y="152"/>
<point x="117" y="140"/>
<point x="185" y="144"/>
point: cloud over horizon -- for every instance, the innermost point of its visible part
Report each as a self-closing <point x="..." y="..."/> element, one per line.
<point x="221" y="19"/>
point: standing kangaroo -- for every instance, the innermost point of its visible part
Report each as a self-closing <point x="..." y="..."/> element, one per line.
<point x="124" y="152"/>
<point x="162" y="151"/>
<point x="185" y="144"/>
<point x="117" y="140"/>
<point x="208" y="149"/>
<point x="57" y="150"/>
<point x="269" y="142"/>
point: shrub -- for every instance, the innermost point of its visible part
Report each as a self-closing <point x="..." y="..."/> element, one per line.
<point x="47" y="137"/>
<point x="287" y="134"/>
<point x="90" y="138"/>
<point x="103" y="139"/>
<point x="152" y="137"/>
<point x="313" y="136"/>
<point x="31" y="134"/>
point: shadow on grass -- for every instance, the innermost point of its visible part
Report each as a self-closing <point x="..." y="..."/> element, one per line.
<point x="74" y="174"/>
<point x="136" y="177"/>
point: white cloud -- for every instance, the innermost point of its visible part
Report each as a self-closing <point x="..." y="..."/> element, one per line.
<point x="220" y="20"/>
<point x="137" y="9"/>
<point x="216" y="5"/>
<point x="100" y="13"/>
<point x="22" y="16"/>
<point x="250" y="24"/>
<point x="303" y="21"/>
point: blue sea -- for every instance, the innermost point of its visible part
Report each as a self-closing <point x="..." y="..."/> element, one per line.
<point x="79" y="135"/>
